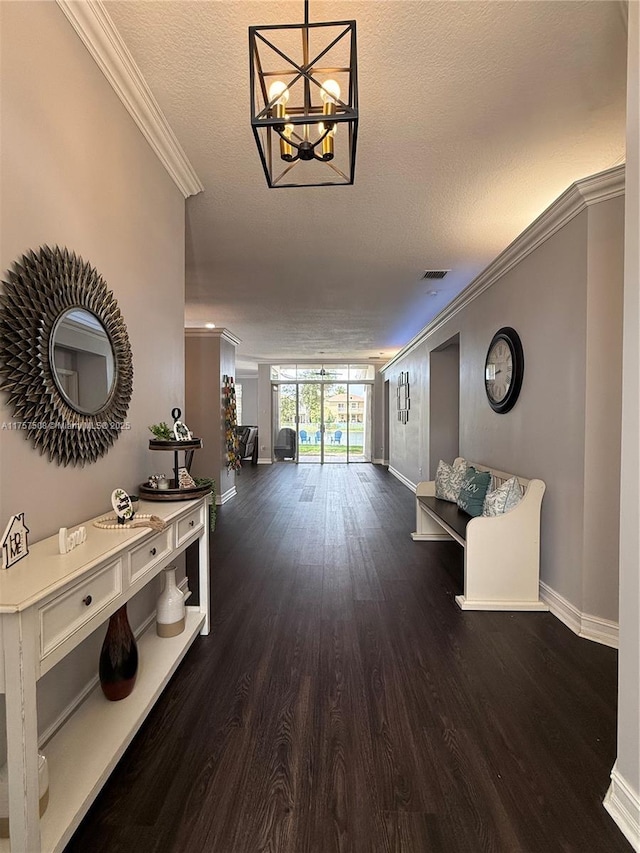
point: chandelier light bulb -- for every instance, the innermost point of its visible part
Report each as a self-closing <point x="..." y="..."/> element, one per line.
<point x="286" y="150"/>
<point x="330" y="92"/>
<point x="278" y="90"/>
<point x="332" y="132"/>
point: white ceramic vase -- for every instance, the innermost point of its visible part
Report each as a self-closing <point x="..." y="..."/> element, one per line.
<point x="170" y="610"/>
<point x="43" y="779"/>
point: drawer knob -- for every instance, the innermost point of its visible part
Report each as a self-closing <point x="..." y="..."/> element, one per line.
<point x="87" y="600"/>
<point x="191" y="523"/>
<point x="153" y="552"/>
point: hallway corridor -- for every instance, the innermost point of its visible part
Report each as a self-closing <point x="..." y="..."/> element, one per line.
<point x="343" y="702"/>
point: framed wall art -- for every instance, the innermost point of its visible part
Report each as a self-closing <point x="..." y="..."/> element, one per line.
<point x="404" y="402"/>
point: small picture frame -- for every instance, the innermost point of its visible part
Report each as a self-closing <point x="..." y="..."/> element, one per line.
<point x="185" y="480"/>
<point x="181" y="431"/>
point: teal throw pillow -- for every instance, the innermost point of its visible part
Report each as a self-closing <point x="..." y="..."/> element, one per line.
<point x="473" y="490"/>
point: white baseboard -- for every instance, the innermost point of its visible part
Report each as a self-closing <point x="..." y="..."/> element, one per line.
<point x="561" y="608"/>
<point x="226" y="496"/>
<point x="623" y="804"/>
<point x="585" y="625"/>
<point x="465" y="603"/>
<point x="403" y="479"/>
<point x="600" y="630"/>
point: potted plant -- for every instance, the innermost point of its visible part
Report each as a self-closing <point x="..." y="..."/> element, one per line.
<point x="162" y="432"/>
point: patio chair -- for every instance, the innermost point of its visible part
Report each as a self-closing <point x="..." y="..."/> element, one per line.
<point x="285" y="446"/>
<point x="337" y="437"/>
<point x="318" y="436"/>
<point x="305" y="438"/>
<point x="248" y="443"/>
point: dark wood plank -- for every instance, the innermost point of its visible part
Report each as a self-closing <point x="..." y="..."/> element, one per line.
<point x="449" y="512"/>
<point x="343" y="702"/>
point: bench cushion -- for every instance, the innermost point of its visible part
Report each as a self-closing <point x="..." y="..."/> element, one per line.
<point x="449" y="512"/>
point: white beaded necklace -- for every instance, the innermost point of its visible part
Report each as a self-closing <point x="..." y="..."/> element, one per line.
<point x="107" y="523"/>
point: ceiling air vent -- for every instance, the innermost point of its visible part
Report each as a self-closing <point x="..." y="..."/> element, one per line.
<point x="435" y="273"/>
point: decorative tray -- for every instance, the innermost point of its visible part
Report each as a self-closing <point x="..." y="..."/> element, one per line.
<point x="190" y="444"/>
<point x="170" y="494"/>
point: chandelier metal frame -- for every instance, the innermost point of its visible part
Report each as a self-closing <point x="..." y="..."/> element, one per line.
<point x="306" y="132"/>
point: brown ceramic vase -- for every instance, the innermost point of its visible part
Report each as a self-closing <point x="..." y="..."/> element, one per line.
<point x="118" y="658"/>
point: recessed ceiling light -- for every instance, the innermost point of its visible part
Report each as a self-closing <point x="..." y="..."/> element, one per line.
<point x="433" y="293"/>
<point x="209" y="325"/>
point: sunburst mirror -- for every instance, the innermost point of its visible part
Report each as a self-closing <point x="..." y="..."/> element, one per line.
<point x="65" y="357"/>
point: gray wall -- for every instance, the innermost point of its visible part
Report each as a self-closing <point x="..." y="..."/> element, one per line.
<point x="628" y="760"/>
<point x="564" y="299"/>
<point x="208" y="357"/>
<point x="249" y="399"/>
<point x="444" y="405"/>
<point x="603" y="404"/>
<point x="379" y="449"/>
<point x="75" y="171"/>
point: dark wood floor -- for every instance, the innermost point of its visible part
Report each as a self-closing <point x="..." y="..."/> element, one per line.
<point x="343" y="702"/>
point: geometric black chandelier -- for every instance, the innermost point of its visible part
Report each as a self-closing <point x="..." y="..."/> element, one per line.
<point x="304" y="101"/>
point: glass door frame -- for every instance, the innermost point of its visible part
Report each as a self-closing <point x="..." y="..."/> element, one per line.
<point x="367" y="423"/>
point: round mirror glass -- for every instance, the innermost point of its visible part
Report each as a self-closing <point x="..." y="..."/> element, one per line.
<point x="82" y="360"/>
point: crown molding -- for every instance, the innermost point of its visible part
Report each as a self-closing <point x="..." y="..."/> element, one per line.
<point x="580" y="195"/>
<point x="99" y="35"/>
<point x="225" y="334"/>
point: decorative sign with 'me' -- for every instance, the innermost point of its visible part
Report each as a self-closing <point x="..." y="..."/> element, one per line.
<point x="15" y="542"/>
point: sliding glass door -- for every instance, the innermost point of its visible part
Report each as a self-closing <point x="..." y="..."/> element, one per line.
<point x="359" y="420"/>
<point x="334" y="426"/>
<point x="310" y="433"/>
<point x="285" y="408"/>
<point x="328" y="419"/>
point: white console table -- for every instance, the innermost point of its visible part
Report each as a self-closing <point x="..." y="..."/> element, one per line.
<point x="49" y="603"/>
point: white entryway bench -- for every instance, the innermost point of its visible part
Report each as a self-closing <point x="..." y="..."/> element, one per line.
<point x="501" y="553"/>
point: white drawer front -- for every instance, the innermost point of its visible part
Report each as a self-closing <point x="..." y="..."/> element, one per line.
<point x="189" y="524"/>
<point x="61" y="617"/>
<point x="148" y="555"/>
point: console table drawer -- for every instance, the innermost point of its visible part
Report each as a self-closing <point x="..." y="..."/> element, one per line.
<point x="189" y="524"/>
<point x="61" y="617"/>
<point x="149" y="554"/>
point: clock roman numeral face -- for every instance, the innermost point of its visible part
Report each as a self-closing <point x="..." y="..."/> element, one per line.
<point x="503" y="370"/>
<point x="499" y="371"/>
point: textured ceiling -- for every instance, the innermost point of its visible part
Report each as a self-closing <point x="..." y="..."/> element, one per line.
<point x="474" y="117"/>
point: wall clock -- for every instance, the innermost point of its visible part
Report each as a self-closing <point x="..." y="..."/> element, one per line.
<point x="504" y="369"/>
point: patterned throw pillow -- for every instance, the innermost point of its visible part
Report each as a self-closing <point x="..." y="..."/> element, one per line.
<point x="449" y="479"/>
<point x="504" y="498"/>
<point x="473" y="491"/>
